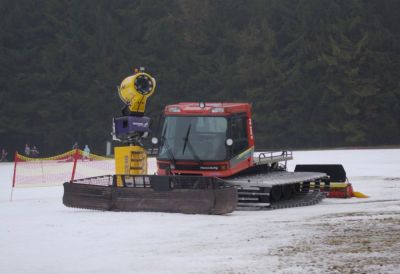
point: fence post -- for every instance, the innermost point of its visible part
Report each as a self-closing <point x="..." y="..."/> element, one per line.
<point x="15" y="168"/>
<point x="14" y="174"/>
<point x="76" y="154"/>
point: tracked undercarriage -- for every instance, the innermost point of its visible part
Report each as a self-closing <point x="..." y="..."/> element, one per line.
<point x="280" y="189"/>
<point x="197" y="194"/>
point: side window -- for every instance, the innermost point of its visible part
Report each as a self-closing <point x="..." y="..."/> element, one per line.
<point x="239" y="135"/>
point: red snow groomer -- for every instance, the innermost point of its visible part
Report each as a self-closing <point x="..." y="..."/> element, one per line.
<point x="206" y="162"/>
<point x="204" y="148"/>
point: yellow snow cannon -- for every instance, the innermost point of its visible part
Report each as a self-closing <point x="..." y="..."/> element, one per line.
<point x="133" y="126"/>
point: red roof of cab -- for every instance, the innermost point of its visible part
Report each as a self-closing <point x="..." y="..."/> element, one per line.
<point x="194" y="108"/>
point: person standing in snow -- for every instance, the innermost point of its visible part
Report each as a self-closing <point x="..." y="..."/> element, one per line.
<point x="86" y="153"/>
<point x="27" y="150"/>
<point x="75" y="146"/>
<point x="35" y="152"/>
<point x="3" y="155"/>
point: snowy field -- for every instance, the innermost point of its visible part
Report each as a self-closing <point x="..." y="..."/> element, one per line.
<point x="39" y="235"/>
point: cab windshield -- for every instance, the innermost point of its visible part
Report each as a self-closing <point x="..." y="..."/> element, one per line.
<point x="194" y="138"/>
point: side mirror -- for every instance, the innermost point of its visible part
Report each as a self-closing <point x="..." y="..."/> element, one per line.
<point x="154" y="140"/>
<point x="229" y="142"/>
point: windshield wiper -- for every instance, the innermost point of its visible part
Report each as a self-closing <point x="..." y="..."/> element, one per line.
<point x="189" y="145"/>
<point x="186" y="139"/>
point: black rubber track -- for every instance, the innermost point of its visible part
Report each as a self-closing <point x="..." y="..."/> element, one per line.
<point x="298" y="200"/>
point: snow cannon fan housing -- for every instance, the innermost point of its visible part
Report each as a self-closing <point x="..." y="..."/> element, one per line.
<point x="134" y="91"/>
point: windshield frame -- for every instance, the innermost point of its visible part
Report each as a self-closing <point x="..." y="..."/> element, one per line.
<point x="191" y="142"/>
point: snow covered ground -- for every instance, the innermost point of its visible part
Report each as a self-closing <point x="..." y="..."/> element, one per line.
<point x="39" y="235"/>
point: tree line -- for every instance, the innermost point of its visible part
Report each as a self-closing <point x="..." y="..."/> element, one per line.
<point x="319" y="73"/>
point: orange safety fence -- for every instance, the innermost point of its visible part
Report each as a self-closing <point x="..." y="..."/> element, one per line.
<point x="51" y="171"/>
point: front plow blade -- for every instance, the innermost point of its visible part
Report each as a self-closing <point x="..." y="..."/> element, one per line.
<point x="179" y="194"/>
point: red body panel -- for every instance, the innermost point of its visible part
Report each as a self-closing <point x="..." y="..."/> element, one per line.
<point x="229" y="171"/>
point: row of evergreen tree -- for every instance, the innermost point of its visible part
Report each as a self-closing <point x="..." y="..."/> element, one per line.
<point x="320" y="73"/>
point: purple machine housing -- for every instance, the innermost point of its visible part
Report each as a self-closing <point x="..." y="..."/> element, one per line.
<point x="126" y="127"/>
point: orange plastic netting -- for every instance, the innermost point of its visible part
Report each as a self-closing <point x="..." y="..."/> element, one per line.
<point x="60" y="168"/>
